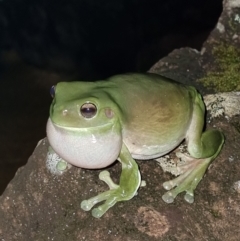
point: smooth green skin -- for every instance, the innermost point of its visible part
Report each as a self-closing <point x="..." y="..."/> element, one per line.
<point x="151" y="115"/>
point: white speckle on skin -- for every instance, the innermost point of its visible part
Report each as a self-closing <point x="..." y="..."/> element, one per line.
<point x="64" y="112"/>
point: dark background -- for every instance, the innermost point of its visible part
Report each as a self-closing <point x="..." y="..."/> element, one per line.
<point x="44" y="41"/>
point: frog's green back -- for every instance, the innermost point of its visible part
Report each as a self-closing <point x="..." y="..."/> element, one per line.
<point x="149" y="97"/>
<point x="154" y="109"/>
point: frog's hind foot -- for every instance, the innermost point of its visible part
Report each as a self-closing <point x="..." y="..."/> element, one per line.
<point x="191" y="172"/>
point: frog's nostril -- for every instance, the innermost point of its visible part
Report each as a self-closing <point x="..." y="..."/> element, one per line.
<point x="109" y="113"/>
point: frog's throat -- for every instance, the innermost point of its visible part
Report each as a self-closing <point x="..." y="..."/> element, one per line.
<point x="86" y="147"/>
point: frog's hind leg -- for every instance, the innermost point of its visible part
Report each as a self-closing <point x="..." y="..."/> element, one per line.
<point x="203" y="148"/>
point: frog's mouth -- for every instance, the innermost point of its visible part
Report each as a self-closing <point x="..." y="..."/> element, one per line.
<point x="94" y="147"/>
<point x="102" y="127"/>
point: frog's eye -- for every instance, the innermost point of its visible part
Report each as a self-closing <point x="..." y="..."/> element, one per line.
<point x="88" y="110"/>
<point x="52" y="91"/>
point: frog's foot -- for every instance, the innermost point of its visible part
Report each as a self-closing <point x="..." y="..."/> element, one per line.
<point x="115" y="194"/>
<point x="191" y="171"/>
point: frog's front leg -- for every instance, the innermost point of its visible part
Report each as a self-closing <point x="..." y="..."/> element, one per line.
<point x="130" y="181"/>
<point x="203" y="148"/>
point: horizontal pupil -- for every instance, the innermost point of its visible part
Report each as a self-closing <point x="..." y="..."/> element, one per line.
<point x="88" y="109"/>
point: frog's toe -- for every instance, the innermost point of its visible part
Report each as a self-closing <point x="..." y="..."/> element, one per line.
<point x="105" y="176"/>
<point x="169" y="197"/>
<point x="189" y="197"/>
<point x="97" y="213"/>
<point x="100" y="210"/>
<point x="62" y="165"/>
<point x="86" y="205"/>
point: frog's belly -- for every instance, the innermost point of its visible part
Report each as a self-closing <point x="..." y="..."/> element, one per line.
<point x="149" y="150"/>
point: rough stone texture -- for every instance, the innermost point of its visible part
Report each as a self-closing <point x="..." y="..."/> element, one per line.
<point x="40" y="206"/>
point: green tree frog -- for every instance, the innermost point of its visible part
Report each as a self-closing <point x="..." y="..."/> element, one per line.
<point x="127" y="117"/>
